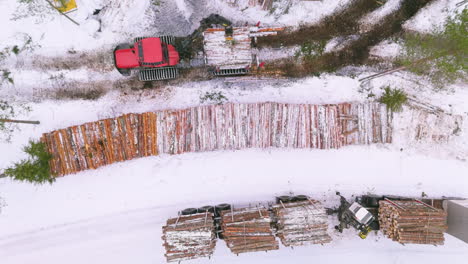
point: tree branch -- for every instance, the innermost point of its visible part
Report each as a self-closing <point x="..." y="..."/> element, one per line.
<point x="19" y="121"/>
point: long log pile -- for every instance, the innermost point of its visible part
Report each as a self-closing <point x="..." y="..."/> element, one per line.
<point x="412" y="222"/>
<point x="301" y="223"/>
<point x="248" y="230"/>
<point x="216" y="127"/>
<point x="189" y="237"/>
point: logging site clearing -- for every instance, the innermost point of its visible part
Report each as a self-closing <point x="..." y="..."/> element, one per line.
<point x="233" y="131"/>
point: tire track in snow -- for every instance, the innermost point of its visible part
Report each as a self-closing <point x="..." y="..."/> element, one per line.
<point x="150" y="219"/>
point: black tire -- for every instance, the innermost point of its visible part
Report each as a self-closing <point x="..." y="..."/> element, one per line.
<point x="300" y="197"/>
<point x="222" y="207"/>
<point x="123" y="46"/>
<point x="374" y="225"/>
<point x="189" y="211"/>
<point x="283" y="199"/>
<point x="206" y="208"/>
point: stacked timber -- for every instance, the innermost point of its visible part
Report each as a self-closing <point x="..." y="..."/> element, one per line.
<point x="248" y="230"/>
<point x="216" y="127"/>
<point x="224" y="54"/>
<point x="301" y="223"/>
<point x="412" y="222"/>
<point x="189" y="237"/>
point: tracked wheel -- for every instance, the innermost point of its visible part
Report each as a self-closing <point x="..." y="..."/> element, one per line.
<point x="230" y="72"/>
<point x="166" y="39"/>
<point x="158" y="74"/>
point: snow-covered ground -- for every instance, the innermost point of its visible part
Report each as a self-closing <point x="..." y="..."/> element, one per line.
<point x="433" y="16"/>
<point x="115" y="214"/>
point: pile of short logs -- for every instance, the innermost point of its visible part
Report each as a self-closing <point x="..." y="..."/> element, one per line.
<point x="248" y="230"/>
<point x="412" y="221"/>
<point x="301" y="223"/>
<point x="189" y="237"/>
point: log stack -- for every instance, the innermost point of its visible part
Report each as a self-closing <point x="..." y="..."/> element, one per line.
<point x="216" y="127"/>
<point x="189" y="237"/>
<point x="412" y="222"/>
<point x="301" y="223"/>
<point x="248" y="230"/>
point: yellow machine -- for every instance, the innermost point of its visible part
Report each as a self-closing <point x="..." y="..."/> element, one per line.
<point x="65" y="6"/>
<point x="364" y="232"/>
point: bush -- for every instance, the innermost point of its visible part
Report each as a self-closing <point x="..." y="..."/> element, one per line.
<point x="213" y="97"/>
<point x="393" y="98"/>
<point x="311" y="50"/>
<point x="34" y="169"/>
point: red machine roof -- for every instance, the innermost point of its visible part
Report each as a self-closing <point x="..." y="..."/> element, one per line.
<point x="149" y="50"/>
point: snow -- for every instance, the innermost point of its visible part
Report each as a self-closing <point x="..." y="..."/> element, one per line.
<point x="432" y="17"/>
<point x="184" y="8"/>
<point x="373" y="18"/>
<point x="386" y="49"/>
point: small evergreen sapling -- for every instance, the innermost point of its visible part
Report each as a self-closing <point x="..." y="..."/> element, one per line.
<point x="393" y="98"/>
<point x="34" y="169"/>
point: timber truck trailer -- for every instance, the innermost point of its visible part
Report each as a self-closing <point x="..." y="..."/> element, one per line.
<point x="227" y="50"/>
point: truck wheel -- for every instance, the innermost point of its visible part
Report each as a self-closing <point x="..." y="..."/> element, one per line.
<point x="189" y="211"/>
<point x="301" y="197"/>
<point x="124" y="72"/>
<point x="123" y="46"/>
<point x="222" y="207"/>
<point x="283" y="199"/>
<point x="205" y="209"/>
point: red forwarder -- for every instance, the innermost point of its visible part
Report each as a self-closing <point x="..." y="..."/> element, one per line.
<point x="154" y="57"/>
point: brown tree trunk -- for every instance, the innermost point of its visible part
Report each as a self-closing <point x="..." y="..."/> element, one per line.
<point x="19" y="121"/>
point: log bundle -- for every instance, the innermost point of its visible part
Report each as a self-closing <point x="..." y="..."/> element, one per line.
<point x="224" y="54"/>
<point x="216" y="127"/>
<point x="189" y="237"/>
<point x="248" y="230"/>
<point x="412" y="222"/>
<point x="301" y="223"/>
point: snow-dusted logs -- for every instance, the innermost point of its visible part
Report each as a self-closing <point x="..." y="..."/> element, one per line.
<point x="301" y="223"/>
<point x="189" y="237"/>
<point x="232" y="50"/>
<point x="216" y="127"/>
<point x="412" y="222"/>
<point x="264" y="125"/>
<point x="228" y="54"/>
<point x="248" y="230"/>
